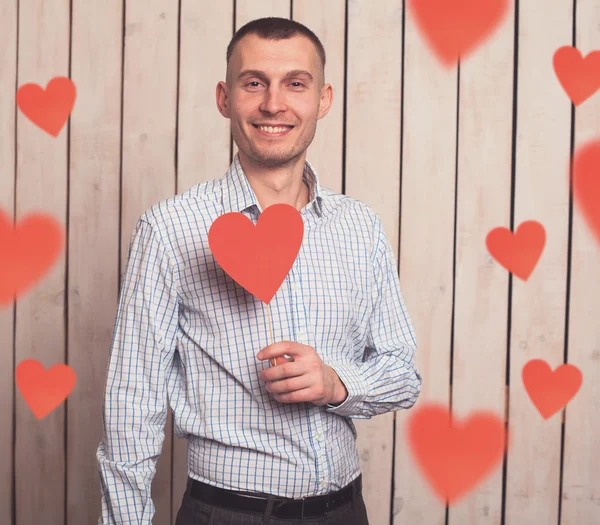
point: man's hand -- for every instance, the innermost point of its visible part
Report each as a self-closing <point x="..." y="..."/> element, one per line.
<point x="305" y="378"/>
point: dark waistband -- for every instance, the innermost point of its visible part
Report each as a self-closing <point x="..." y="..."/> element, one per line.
<point x="311" y="506"/>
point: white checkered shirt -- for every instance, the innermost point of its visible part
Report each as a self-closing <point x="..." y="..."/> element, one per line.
<point x="186" y="334"/>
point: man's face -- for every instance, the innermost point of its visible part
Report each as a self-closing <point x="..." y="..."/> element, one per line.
<point x="293" y="101"/>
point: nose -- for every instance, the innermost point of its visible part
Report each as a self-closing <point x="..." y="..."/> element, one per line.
<point x="274" y="100"/>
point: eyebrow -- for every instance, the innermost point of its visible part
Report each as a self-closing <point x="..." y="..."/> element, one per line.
<point x="261" y="74"/>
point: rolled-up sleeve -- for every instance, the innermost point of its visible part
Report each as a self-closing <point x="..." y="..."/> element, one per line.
<point x="386" y="378"/>
<point x="135" y="401"/>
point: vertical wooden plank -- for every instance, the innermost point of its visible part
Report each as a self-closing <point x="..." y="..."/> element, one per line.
<point x="93" y="240"/>
<point x="40" y="313"/>
<point x="327" y="21"/>
<point x="481" y="296"/>
<point x="203" y="133"/>
<point x="373" y="176"/>
<point x="581" y="484"/>
<point x="426" y="250"/>
<point x="538" y="313"/>
<point x="149" y="118"/>
<point x="8" y="79"/>
<point x="248" y="10"/>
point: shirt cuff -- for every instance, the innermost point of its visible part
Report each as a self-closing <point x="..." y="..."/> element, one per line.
<point x="356" y="387"/>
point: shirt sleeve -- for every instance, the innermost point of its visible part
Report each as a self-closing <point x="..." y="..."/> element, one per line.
<point x="135" y="404"/>
<point x="386" y="379"/>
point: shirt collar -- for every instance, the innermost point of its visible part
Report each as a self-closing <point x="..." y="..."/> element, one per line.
<point x="238" y="195"/>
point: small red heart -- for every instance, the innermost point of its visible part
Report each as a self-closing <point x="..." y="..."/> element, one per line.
<point x="455" y="457"/>
<point x="579" y="77"/>
<point x="550" y="391"/>
<point x="586" y="183"/>
<point x="258" y="257"/>
<point x="48" y="109"/>
<point x="27" y="252"/>
<point x="454" y="28"/>
<point x="44" y="390"/>
<point x="520" y="252"/>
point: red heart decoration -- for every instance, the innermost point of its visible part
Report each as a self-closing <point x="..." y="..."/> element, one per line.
<point x="48" y="109"/>
<point x="27" y="252"/>
<point x="520" y="252"/>
<point x="454" y="28"/>
<point x="258" y="257"/>
<point x="44" y="390"/>
<point x="586" y="183"/>
<point x="455" y="457"/>
<point x="550" y="391"/>
<point x="579" y="77"/>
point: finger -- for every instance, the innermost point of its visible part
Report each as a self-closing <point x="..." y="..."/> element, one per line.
<point x="299" y="396"/>
<point x="284" y="386"/>
<point x="274" y="350"/>
<point x="283" y="370"/>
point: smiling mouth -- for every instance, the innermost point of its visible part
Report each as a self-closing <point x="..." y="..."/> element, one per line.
<point x="269" y="131"/>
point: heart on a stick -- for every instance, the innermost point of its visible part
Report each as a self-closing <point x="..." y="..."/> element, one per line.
<point x="258" y="257"/>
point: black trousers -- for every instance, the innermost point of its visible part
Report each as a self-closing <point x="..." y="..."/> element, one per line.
<point x="194" y="512"/>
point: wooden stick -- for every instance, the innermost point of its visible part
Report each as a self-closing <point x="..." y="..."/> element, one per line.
<point x="273" y="359"/>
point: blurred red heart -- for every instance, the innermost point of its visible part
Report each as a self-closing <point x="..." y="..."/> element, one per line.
<point x="455" y="456"/>
<point x="454" y="28"/>
<point x="258" y="257"/>
<point x="27" y="252"/>
<point x="586" y="184"/>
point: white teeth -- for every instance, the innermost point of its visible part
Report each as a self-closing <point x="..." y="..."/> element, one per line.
<point x="270" y="129"/>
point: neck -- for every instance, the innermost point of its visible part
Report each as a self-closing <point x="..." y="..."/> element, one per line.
<point x="283" y="184"/>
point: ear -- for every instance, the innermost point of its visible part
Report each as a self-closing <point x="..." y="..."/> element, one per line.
<point x="222" y="99"/>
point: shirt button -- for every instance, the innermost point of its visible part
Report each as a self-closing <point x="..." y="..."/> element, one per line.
<point x="323" y="484"/>
<point x="295" y="286"/>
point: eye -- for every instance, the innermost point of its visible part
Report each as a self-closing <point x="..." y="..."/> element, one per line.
<point x="298" y="83"/>
<point x="253" y="82"/>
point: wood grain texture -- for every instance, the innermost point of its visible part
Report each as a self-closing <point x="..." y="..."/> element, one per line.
<point x="426" y="251"/>
<point x="373" y="176"/>
<point x="93" y="276"/>
<point x="539" y="305"/>
<point x="8" y="80"/>
<point x="485" y="131"/>
<point x="40" y="313"/>
<point x="580" y="482"/>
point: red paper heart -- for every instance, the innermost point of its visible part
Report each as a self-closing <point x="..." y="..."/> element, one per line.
<point x="586" y="184"/>
<point x="520" y="252"/>
<point x="550" y="391"/>
<point x="258" y="257"/>
<point x="44" y="390"/>
<point x="48" y="109"/>
<point x="454" y="28"/>
<point x="27" y="252"/>
<point x="579" y="77"/>
<point x="455" y="457"/>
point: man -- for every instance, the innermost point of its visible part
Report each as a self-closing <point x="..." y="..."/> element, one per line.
<point x="265" y="444"/>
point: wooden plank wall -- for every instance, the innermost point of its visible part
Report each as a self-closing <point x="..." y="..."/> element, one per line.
<point x="442" y="155"/>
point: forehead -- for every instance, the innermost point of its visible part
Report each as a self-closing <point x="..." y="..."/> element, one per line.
<point x="297" y="52"/>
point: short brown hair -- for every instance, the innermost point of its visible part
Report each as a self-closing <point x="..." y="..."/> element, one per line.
<point x="274" y="28"/>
